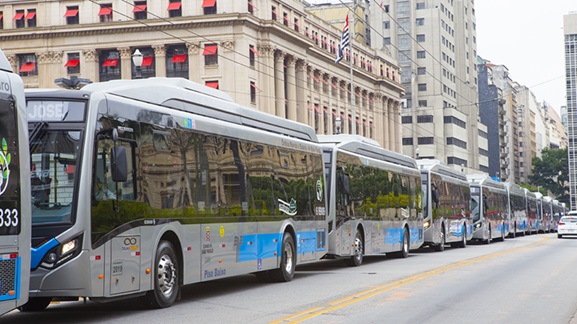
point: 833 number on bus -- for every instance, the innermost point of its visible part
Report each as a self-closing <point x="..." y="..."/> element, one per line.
<point x="9" y="220"/>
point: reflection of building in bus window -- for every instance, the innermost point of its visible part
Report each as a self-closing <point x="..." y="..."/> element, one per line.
<point x="102" y="193"/>
<point x="40" y="190"/>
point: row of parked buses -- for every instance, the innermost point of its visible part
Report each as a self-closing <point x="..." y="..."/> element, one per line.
<point x="142" y="186"/>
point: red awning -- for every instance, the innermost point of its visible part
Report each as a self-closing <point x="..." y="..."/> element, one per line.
<point x="174" y="6"/>
<point x="179" y="58"/>
<point x="105" y="11"/>
<point x="110" y="62"/>
<point x="254" y="86"/>
<point x="1" y="16"/>
<point x="31" y="15"/>
<point x="212" y="84"/>
<point x="72" y="63"/>
<point x="208" y="3"/>
<point x="147" y="61"/>
<point x="71" y="13"/>
<point x="139" y="8"/>
<point x="252" y="49"/>
<point x="210" y="49"/>
<point x="27" y="67"/>
<point x="18" y="16"/>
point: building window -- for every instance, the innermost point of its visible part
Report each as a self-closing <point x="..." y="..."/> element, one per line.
<point x="273" y="13"/>
<point x="420" y="21"/>
<point x="420" y="5"/>
<point x="407" y="141"/>
<point x="421" y="38"/>
<point x="19" y="19"/>
<point x="73" y="63"/>
<point x="148" y="67"/>
<point x="72" y="15"/>
<point x="296" y="24"/>
<point x="210" y="54"/>
<point x="421" y="70"/>
<point x="105" y="12"/>
<point x="422" y="87"/>
<point x="407" y="119"/>
<point x="285" y="20"/>
<point x="211" y="84"/>
<point x="421" y="54"/>
<point x="177" y="62"/>
<point x="139" y="10"/>
<point x="1" y="20"/>
<point x="386" y="24"/>
<point x="252" y="54"/>
<point x="251" y="6"/>
<point x="109" y="62"/>
<point x="31" y="18"/>
<point x="426" y="140"/>
<point x="253" y="89"/>
<point x="174" y="8"/>
<point x="386" y="41"/>
<point x="457" y="161"/>
<point x="209" y="7"/>
<point x="27" y="65"/>
<point x="422" y="103"/>
<point x="425" y="119"/>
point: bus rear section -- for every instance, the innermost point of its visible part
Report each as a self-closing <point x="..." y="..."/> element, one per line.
<point x="14" y="189"/>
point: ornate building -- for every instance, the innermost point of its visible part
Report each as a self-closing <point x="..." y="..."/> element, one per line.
<point x="270" y="55"/>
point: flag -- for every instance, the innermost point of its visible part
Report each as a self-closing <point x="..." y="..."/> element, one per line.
<point x="344" y="41"/>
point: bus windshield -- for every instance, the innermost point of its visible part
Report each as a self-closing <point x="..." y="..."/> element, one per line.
<point x="53" y="156"/>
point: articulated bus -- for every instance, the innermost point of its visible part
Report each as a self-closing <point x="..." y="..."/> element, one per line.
<point x="14" y="191"/>
<point x="489" y="203"/>
<point x="547" y="213"/>
<point x="446" y="207"/>
<point x="558" y="212"/>
<point x="532" y="213"/>
<point x="146" y="185"/>
<point x="374" y="199"/>
<point x="518" y="223"/>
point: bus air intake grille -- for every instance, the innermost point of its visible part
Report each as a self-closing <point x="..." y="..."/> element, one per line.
<point x="7" y="277"/>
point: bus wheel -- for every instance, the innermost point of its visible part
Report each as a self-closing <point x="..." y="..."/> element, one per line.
<point x="441" y="246"/>
<point x="404" y="252"/>
<point x="286" y="271"/>
<point x="357" y="258"/>
<point x="35" y="304"/>
<point x="165" y="280"/>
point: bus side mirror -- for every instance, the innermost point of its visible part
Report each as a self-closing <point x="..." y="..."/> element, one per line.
<point x="119" y="164"/>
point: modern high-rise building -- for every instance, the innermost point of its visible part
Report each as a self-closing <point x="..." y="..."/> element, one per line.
<point x="435" y="43"/>
<point x="570" y="31"/>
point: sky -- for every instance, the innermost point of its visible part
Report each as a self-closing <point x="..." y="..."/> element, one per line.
<point x="527" y="37"/>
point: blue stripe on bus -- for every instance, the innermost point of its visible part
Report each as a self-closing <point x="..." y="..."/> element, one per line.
<point x="265" y="246"/>
<point x="17" y="273"/>
<point x="39" y="252"/>
<point x="395" y="235"/>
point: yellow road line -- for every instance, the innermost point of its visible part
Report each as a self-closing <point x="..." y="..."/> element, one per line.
<point x="366" y="294"/>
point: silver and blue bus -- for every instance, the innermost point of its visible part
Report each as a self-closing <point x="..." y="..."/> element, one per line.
<point x="547" y="215"/>
<point x="517" y="215"/>
<point x="532" y="211"/>
<point x="142" y="186"/>
<point x="489" y="203"/>
<point x="14" y="191"/>
<point x="447" y="214"/>
<point x="374" y="199"/>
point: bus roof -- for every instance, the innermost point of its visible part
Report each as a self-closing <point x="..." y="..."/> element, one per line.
<point x="185" y="95"/>
<point x="485" y="181"/>
<point x="366" y="147"/>
<point x="439" y="167"/>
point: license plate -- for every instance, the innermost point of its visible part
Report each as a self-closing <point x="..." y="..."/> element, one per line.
<point x="117" y="268"/>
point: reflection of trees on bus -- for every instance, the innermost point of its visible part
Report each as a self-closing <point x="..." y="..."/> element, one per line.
<point x="194" y="177"/>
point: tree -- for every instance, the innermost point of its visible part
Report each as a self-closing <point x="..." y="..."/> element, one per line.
<point x="551" y="172"/>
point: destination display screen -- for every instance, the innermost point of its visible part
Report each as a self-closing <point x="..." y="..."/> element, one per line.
<point x="55" y="111"/>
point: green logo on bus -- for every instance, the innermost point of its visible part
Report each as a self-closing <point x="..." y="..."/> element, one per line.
<point x="4" y="167"/>
<point x="288" y="208"/>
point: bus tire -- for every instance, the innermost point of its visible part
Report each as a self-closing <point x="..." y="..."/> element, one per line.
<point x="405" y="245"/>
<point x="357" y="258"/>
<point x="441" y="246"/>
<point x="286" y="271"/>
<point x="35" y="304"/>
<point x="165" y="280"/>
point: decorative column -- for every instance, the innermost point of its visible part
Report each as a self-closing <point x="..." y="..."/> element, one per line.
<point x="50" y="64"/>
<point x="265" y="68"/>
<point x="89" y="65"/>
<point x="279" y="84"/>
<point x="398" y="131"/>
<point x="125" y="63"/>
<point x="291" y="86"/>
<point x="194" y="62"/>
<point x="384" y="117"/>
<point x="391" y="124"/>
<point x="160" y="60"/>
<point x="302" y="110"/>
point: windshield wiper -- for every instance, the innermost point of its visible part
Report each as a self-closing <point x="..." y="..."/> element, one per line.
<point x="38" y="130"/>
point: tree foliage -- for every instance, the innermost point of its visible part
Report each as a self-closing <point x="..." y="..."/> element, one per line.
<point x="551" y="172"/>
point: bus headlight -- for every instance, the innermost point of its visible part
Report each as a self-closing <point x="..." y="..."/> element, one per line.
<point x="62" y="253"/>
<point x="426" y="224"/>
<point x="478" y="225"/>
<point x="68" y="247"/>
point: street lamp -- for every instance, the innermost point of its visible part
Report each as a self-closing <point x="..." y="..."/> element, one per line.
<point x="338" y="125"/>
<point x="137" y="60"/>
<point x="73" y="83"/>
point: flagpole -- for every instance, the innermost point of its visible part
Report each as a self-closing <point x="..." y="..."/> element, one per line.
<point x="352" y="33"/>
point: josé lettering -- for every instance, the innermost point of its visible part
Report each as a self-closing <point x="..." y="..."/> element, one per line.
<point x="51" y="111"/>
